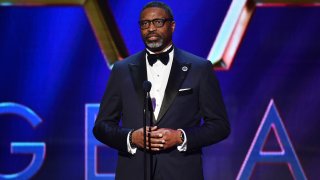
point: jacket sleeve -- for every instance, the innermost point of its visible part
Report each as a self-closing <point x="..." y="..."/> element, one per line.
<point x="215" y="125"/>
<point x="106" y="128"/>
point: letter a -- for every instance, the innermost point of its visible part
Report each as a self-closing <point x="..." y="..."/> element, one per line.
<point x="257" y="155"/>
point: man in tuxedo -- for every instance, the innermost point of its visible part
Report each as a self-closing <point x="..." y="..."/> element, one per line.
<point x="189" y="112"/>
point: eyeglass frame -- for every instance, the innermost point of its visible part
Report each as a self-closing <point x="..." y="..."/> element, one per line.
<point x="153" y="22"/>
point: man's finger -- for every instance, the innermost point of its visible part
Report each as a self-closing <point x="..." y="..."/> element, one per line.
<point x="155" y="135"/>
<point x="156" y="145"/>
<point x="157" y="141"/>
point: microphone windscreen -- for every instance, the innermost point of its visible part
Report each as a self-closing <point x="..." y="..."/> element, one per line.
<point x="147" y="86"/>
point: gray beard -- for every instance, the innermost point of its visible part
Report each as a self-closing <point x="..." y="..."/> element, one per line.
<point x="154" y="45"/>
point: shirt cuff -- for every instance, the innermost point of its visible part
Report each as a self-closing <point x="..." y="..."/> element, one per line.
<point x="183" y="146"/>
<point x="130" y="149"/>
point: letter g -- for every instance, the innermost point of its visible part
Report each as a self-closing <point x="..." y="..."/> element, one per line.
<point x="37" y="149"/>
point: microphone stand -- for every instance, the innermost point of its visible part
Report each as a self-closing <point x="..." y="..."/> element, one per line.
<point x="145" y="135"/>
<point x="147" y="108"/>
<point x="149" y="138"/>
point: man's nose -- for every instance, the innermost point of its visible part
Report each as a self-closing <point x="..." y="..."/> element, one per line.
<point x="152" y="27"/>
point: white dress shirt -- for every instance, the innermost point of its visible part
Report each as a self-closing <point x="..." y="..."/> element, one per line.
<point x="158" y="75"/>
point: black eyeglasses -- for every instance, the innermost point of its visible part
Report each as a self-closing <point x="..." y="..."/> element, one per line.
<point x="158" y="23"/>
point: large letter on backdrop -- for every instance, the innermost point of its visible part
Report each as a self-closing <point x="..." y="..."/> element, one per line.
<point x="271" y="120"/>
<point x="91" y="145"/>
<point x="38" y="149"/>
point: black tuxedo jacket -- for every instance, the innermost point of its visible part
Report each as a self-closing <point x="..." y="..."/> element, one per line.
<point x="192" y="94"/>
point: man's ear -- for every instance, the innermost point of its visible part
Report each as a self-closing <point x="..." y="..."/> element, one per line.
<point x="173" y="26"/>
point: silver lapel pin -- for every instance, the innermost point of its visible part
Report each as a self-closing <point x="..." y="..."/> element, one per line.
<point x="184" y="68"/>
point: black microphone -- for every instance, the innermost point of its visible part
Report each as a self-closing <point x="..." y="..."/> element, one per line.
<point x="147" y="86"/>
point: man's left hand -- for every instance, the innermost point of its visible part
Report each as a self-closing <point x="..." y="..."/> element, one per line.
<point x="169" y="137"/>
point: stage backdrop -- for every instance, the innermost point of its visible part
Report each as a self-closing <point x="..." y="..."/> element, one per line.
<point x="53" y="75"/>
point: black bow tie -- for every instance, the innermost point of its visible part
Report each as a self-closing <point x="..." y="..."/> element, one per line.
<point x="163" y="57"/>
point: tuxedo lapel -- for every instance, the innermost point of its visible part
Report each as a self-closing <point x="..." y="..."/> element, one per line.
<point x="178" y="73"/>
<point x="139" y="74"/>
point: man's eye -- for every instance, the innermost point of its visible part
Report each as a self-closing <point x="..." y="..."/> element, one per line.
<point x="144" y="23"/>
<point x="158" y="21"/>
